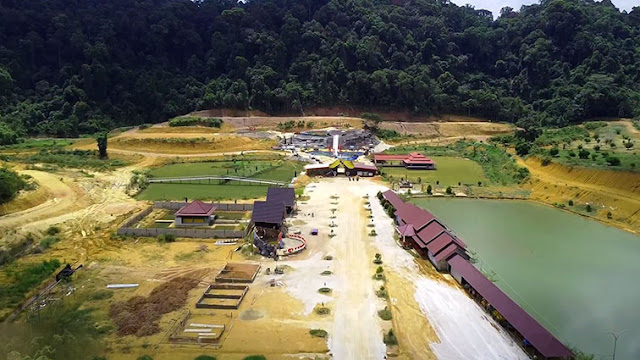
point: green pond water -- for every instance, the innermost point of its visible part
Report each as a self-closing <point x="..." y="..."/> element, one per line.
<point x="577" y="277"/>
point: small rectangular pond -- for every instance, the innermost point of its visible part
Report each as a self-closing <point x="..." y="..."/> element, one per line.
<point x="577" y="277"/>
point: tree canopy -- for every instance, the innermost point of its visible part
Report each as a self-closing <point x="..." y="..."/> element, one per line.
<point x="69" y="68"/>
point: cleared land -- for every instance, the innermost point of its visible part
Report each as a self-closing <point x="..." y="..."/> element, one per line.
<point x="449" y="171"/>
<point x="591" y="145"/>
<point x="447" y="129"/>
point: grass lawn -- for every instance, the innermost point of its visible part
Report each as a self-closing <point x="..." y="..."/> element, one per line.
<point x="202" y="192"/>
<point x="232" y="215"/>
<point x="37" y="144"/>
<point x="449" y="171"/>
<point x="260" y="169"/>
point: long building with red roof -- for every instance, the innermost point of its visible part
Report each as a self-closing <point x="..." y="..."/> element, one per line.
<point x="430" y="238"/>
<point x="412" y="160"/>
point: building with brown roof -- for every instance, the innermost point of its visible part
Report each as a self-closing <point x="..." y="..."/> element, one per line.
<point x="196" y="213"/>
<point x="412" y="160"/>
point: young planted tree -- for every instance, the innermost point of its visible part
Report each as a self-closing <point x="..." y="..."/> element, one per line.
<point x="101" y="139"/>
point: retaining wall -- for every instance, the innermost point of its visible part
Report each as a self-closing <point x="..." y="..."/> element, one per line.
<point x="186" y="233"/>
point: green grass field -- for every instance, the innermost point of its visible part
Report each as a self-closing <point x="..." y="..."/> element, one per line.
<point x="272" y="170"/>
<point x="449" y="171"/>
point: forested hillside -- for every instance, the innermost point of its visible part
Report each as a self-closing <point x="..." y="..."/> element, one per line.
<point x="69" y="67"/>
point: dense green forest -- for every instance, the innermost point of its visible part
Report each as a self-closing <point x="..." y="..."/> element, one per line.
<point x="70" y="67"/>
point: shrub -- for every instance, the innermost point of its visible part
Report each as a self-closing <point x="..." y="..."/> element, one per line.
<point x="46" y="242"/>
<point x="385" y="314"/>
<point x="166" y="238"/>
<point x="429" y="189"/>
<point x="379" y="270"/>
<point x="205" y="357"/>
<point x="628" y="144"/>
<point x="382" y="292"/>
<point x="449" y="191"/>
<point x="554" y="151"/>
<point x="613" y="161"/>
<point x="572" y="154"/>
<point x="523" y="148"/>
<point x="52" y="230"/>
<point x="378" y="259"/>
<point x="584" y="154"/>
<point x="328" y="257"/>
<point x="589" y="208"/>
<point x="324" y="290"/>
<point x="318" y="333"/>
<point x="326" y="273"/>
<point x="545" y="161"/>
<point x="322" y="310"/>
<point x="570" y="202"/>
<point x="10" y="184"/>
<point x="390" y="338"/>
<point x="371" y="116"/>
<point x="195" y="121"/>
<point x="256" y="357"/>
<point x="596" y="148"/>
<point x="145" y="357"/>
<point x="609" y="215"/>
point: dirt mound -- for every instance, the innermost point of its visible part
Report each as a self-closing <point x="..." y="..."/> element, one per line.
<point x="140" y="315"/>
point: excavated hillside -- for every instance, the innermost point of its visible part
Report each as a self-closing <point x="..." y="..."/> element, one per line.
<point x="617" y="192"/>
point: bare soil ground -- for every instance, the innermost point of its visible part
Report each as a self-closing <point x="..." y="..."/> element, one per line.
<point x="614" y="191"/>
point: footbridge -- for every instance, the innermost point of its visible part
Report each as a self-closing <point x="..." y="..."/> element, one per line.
<point x="209" y="179"/>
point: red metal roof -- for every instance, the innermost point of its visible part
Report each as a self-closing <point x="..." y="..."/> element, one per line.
<point x="412" y="158"/>
<point x="406" y="230"/>
<point x="547" y="344"/>
<point x="429" y="232"/>
<point x="393" y="199"/>
<point x="196" y="208"/>
<point x="448" y="252"/>
<point x="440" y="242"/>
<point x="415" y="216"/>
<point x="417" y="158"/>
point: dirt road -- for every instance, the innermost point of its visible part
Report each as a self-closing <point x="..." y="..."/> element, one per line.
<point x="357" y="333"/>
<point x="63" y="199"/>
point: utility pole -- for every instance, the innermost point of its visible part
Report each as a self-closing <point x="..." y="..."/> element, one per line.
<point x="615" y="340"/>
